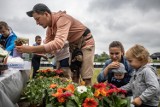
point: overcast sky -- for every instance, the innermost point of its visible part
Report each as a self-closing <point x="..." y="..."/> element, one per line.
<point x="128" y="21"/>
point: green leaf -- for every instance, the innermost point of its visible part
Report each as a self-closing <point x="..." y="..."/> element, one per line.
<point x="71" y="103"/>
<point x="123" y="102"/>
<point x="107" y="102"/>
<point x="75" y="99"/>
<point x="49" y="105"/>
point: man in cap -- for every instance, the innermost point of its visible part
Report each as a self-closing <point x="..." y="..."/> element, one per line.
<point x="61" y="27"/>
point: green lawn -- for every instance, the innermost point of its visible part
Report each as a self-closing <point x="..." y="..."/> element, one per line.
<point x="96" y="72"/>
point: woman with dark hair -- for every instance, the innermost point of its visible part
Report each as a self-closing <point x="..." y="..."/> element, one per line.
<point x="116" y="52"/>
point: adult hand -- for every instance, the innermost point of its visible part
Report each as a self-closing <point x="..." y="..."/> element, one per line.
<point x="44" y="56"/>
<point x="113" y="65"/>
<point x="137" y="101"/>
<point x="24" y="49"/>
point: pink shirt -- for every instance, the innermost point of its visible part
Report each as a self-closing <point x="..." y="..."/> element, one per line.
<point x="64" y="27"/>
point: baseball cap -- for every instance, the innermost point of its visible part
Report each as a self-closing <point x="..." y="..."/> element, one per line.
<point x="121" y="69"/>
<point x="38" y="7"/>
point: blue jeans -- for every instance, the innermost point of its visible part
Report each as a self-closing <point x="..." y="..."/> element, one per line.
<point x="64" y="62"/>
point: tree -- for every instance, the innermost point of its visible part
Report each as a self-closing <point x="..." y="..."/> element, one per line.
<point x="102" y="57"/>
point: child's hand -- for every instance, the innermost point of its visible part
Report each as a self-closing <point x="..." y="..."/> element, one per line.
<point x="137" y="101"/>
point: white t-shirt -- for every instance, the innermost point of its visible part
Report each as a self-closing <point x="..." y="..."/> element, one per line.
<point x="63" y="53"/>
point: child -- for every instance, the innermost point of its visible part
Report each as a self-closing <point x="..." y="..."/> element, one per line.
<point x="118" y="76"/>
<point x="144" y="83"/>
<point x="62" y="60"/>
<point x="7" y="37"/>
<point x="36" y="59"/>
<point x="116" y="52"/>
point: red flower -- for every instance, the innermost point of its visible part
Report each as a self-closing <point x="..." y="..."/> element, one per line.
<point x="99" y="85"/>
<point x="67" y="94"/>
<point x="111" y="91"/>
<point x="90" y="102"/>
<point x="58" y="71"/>
<point x="121" y="91"/>
<point x="61" y="99"/>
<point x="111" y="85"/>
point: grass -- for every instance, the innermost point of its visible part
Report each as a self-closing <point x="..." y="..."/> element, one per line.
<point x="96" y="72"/>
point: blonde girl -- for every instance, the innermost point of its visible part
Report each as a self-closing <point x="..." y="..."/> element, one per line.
<point x="144" y="83"/>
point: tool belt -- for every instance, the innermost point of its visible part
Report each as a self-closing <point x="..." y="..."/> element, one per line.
<point x="81" y="41"/>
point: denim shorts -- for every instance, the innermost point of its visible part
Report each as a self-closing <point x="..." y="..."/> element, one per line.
<point x="64" y="62"/>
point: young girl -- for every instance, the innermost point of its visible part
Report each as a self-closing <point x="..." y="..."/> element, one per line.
<point x="116" y="52"/>
<point x="144" y="83"/>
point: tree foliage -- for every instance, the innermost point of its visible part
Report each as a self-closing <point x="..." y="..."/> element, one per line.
<point x="101" y="58"/>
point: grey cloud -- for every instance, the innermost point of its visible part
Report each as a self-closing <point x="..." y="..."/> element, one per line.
<point x="25" y="25"/>
<point x="146" y="5"/>
<point x="118" y="25"/>
<point x="130" y="22"/>
<point x="111" y="5"/>
<point x="145" y="36"/>
<point x="103" y="5"/>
